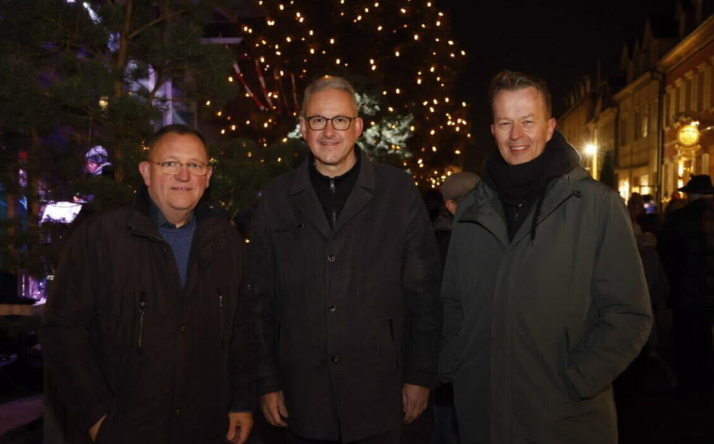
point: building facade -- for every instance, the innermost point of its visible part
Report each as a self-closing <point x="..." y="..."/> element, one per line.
<point x="654" y="125"/>
<point x="688" y="111"/>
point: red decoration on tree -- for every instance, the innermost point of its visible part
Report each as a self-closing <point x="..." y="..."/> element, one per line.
<point x="247" y="88"/>
<point x="261" y="79"/>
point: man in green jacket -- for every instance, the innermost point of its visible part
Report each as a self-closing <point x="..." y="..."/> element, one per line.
<point x="545" y="297"/>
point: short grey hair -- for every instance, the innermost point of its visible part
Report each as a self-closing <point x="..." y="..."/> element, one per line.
<point x="330" y="82"/>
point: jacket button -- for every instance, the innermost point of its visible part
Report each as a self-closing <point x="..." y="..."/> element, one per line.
<point x="335" y="358"/>
<point x="301" y="226"/>
<point x="331" y="258"/>
<point x="182" y="328"/>
<point x="177" y="412"/>
<point x="331" y="308"/>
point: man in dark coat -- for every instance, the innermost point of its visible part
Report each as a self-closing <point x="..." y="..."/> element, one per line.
<point x="345" y="270"/>
<point x="545" y="297"/>
<point x="687" y="246"/>
<point x="147" y="334"/>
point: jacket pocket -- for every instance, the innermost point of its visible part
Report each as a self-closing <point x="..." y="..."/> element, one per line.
<point x="567" y="386"/>
<point x="109" y="432"/>
<point x="395" y="346"/>
<point x="221" y="318"/>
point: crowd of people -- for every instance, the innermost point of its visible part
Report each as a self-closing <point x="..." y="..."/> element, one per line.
<point x="677" y="252"/>
<point x="518" y="307"/>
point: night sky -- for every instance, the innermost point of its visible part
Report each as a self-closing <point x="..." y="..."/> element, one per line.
<point x="558" y="40"/>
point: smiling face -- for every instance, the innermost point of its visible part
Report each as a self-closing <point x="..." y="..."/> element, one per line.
<point x="176" y="195"/>
<point x="521" y="124"/>
<point x="333" y="150"/>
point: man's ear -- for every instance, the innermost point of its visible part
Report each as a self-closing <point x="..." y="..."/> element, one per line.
<point x="359" y="126"/>
<point x="451" y="205"/>
<point x="303" y="128"/>
<point x="208" y="176"/>
<point x="551" y="127"/>
<point x="145" y="169"/>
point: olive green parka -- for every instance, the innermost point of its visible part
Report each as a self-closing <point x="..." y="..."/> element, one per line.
<point x="536" y="329"/>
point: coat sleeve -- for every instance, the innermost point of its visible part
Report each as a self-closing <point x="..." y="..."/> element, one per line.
<point x="65" y="332"/>
<point x="620" y="316"/>
<point x="453" y="317"/>
<point x="262" y="283"/>
<point x="242" y="348"/>
<point x="421" y="279"/>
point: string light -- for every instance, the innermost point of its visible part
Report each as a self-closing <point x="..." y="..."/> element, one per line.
<point x="280" y="54"/>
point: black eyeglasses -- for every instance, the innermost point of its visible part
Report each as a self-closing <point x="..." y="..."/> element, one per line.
<point x="340" y="123"/>
<point x="173" y="167"/>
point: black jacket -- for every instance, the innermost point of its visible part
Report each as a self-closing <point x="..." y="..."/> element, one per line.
<point x="346" y="315"/>
<point x="122" y="337"/>
<point x="687" y="247"/>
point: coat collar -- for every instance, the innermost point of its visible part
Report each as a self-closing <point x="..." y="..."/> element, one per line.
<point x="305" y="199"/>
<point x="484" y="207"/>
<point x="140" y="217"/>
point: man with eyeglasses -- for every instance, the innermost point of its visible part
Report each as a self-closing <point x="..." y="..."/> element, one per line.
<point x="345" y="270"/>
<point x="147" y="333"/>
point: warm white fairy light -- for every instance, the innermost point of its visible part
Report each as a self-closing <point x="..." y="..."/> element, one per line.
<point x="286" y="68"/>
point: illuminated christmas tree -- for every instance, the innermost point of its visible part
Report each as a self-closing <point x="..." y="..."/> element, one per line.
<point x="397" y="53"/>
<point x="76" y="76"/>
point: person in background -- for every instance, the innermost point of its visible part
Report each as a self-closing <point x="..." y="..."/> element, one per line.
<point x="675" y="203"/>
<point x="687" y="247"/>
<point x="96" y="161"/>
<point x="434" y="203"/>
<point x="649" y="363"/>
<point x="545" y="300"/>
<point x="345" y="270"/>
<point x="452" y="191"/>
<point x="147" y="335"/>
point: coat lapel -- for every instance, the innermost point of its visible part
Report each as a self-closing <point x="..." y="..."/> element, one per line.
<point x="305" y="201"/>
<point x="361" y="195"/>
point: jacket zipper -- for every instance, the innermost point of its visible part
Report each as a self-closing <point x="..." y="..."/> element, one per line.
<point x="333" y="212"/>
<point x="142" y="305"/>
<point x="220" y="317"/>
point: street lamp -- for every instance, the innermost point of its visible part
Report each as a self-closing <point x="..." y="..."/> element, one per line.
<point x="591" y="150"/>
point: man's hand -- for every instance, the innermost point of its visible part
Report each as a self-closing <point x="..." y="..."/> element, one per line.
<point x="414" y="399"/>
<point x="239" y="426"/>
<point x="94" y="430"/>
<point x="273" y="407"/>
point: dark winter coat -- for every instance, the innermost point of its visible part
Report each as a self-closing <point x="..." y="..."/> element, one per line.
<point x="122" y="337"/>
<point x="535" y="330"/>
<point x="687" y="246"/>
<point x="346" y="315"/>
